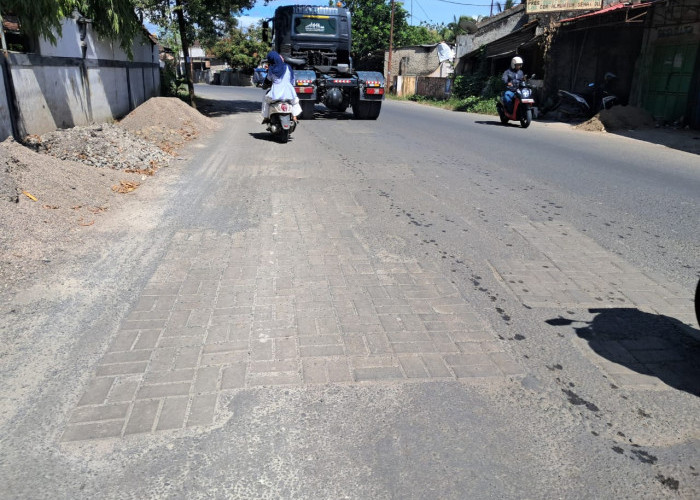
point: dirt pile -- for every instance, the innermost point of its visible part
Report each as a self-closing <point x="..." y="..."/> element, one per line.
<point x="51" y="204"/>
<point x="53" y="195"/>
<point x="619" y="118"/>
<point x="167" y="122"/>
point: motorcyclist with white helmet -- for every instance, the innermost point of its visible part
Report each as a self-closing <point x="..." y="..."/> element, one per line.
<point x="512" y="78"/>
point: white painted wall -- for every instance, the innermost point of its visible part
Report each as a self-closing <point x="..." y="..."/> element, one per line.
<point x="50" y="95"/>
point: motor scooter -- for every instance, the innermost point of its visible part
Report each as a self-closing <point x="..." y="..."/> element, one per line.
<point x="523" y="102"/>
<point x="282" y="123"/>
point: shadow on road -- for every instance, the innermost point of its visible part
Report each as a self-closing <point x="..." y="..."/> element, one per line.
<point x="215" y="108"/>
<point x="687" y="140"/>
<point x="509" y="124"/>
<point x="265" y="136"/>
<point x="323" y="113"/>
<point x="650" y="344"/>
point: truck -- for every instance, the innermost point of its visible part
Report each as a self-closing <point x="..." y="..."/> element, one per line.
<point x="316" y="42"/>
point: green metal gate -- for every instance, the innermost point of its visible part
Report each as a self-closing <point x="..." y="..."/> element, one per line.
<point x="671" y="79"/>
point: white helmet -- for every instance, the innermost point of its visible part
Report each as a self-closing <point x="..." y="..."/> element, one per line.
<point x="514" y="61"/>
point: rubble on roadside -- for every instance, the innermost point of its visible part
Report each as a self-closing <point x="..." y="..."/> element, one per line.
<point x="101" y="146"/>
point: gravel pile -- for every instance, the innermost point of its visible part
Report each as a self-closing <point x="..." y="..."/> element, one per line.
<point x="103" y="145"/>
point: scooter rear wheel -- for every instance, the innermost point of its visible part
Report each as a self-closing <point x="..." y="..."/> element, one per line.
<point x="284" y="135"/>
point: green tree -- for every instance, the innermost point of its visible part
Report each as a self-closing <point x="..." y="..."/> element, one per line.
<point x="203" y="20"/>
<point x="457" y="27"/>
<point x="420" y="35"/>
<point x="241" y="48"/>
<point x="371" y="26"/>
<point x="113" y="19"/>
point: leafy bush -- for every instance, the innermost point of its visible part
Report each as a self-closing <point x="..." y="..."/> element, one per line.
<point x="468" y="85"/>
<point x="493" y="86"/>
<point x="171" y="85"/>
<point x="475" y="104"/>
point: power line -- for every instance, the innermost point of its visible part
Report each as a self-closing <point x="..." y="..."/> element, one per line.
<point x="469" y="4"/>
<point x="424" y="12"/>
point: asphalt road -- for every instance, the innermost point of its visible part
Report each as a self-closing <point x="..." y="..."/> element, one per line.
<point x="576" y="253"/>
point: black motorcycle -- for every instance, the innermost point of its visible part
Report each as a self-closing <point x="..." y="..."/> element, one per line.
<point x="571" y="105"/>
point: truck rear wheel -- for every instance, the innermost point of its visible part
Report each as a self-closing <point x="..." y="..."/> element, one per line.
<point x="307" y="110"/>
<point x="366" y="110"/>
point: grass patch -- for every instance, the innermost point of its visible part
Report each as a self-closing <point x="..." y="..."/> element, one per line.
<point x="472" y="104"/>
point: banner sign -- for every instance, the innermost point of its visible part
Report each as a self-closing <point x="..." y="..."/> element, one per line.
<point x="534" y="6"/>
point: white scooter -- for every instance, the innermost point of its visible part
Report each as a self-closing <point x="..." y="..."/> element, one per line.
<point x="282" y="122"/>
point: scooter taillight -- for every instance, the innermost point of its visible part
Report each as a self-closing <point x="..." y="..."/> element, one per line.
<point x="284" y="107"/>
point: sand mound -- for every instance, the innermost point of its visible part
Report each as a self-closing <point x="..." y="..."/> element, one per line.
<point x="619" y="118"/>
<point x="70" y="199"/>
<point x="167" y="122"/>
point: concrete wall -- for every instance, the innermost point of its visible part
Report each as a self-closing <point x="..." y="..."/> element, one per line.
<point x="491" y="29"/>
<point x="59" y="88"/>
<point x="418" y="60"/>
<point x="5" y="123"/>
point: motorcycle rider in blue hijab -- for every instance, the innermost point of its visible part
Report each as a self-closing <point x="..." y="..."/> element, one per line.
<point x="281" y="75"/>
<point x="512" y="78"/>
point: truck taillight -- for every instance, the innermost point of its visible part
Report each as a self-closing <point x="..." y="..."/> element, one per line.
<point x="304" y="90"/>
<point x="376" y="91"/>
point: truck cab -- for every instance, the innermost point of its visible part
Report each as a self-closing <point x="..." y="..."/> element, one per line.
<point x="316" y="41"/>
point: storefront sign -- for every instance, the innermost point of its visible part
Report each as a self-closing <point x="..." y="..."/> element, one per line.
<point x="533" y="6"/>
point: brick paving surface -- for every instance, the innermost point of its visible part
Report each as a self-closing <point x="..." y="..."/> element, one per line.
<point x="574" y="271"/>
<point x="648" y="342"/>
<point x="296" y="300"/>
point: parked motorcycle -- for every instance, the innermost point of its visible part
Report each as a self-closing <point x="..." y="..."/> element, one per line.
<point x="259" y="75"/>
<point x="523" y="103"/>
<point x="583" y="106"/>
<point x="281" y="123"/>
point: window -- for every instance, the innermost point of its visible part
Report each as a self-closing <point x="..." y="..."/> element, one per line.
<point x="315" y="25"/>
<point x="16" y="41"/>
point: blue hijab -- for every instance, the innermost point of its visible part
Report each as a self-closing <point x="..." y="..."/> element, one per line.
<point x="277" y="66"/>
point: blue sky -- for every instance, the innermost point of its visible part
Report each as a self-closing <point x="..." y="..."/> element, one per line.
<point x="432" y="11"/>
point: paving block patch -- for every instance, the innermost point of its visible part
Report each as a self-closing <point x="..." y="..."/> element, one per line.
<point x="295" y="301"/>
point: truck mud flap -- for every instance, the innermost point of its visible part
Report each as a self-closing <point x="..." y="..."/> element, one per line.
<point x="373" y="77"/>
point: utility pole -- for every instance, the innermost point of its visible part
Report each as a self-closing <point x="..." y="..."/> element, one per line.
<point x="391" y="46"/>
